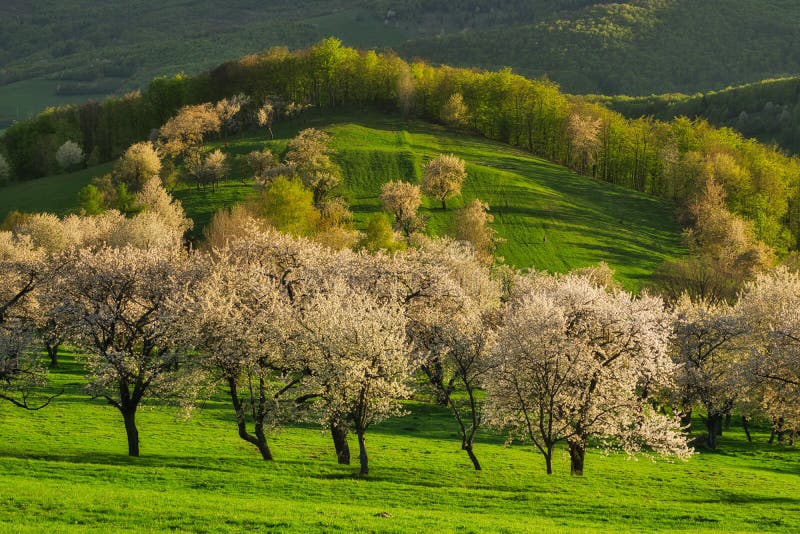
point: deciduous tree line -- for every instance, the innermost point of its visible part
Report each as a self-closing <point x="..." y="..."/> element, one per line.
<point x="293" y="330"/>
<point x="670" y="159"/>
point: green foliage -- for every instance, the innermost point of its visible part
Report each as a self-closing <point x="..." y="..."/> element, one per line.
<point x="125" y="200"/>
<point x="628" y="47"/>
<point x="632" y="47"/>
<point x="671" y="160"/>
<point x="90" y="200"/>
<point x="379" y="235"/>
<point x="288" y="206"/>
<point x="768" y="110"/>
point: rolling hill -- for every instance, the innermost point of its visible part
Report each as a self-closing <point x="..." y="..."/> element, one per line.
<point x="632" y="47"/>
<point x="768" y="110"/>
<point x="550" y="218"/>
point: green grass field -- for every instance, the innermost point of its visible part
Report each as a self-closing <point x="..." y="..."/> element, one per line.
<point x="551" y="218"/>
<point x="55" y="194"/>
<point x="25" y="99"/>
<point x="65" y="469"/>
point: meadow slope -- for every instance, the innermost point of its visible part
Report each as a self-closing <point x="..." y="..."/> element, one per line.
<point x="65" y="469"/>
<point x="549" y="217"/>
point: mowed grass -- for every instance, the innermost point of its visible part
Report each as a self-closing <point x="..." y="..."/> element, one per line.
<point x="549" y="217"/>
<point x="65" y="469"/>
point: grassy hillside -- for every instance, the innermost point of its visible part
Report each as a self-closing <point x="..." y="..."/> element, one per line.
<point x="768" y="110"/>
<point x="65" y="470"/>
<point x="550" y="217"/>
<point x="588" y="46"/>
<point x="24" y="99"/>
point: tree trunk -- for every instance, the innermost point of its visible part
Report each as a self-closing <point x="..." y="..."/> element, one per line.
<point x="435" y="373"/>
<point x="548" y="460"/>
<point x="577" y="453"/>
<point x="472" y="457"/>
<point x="129" y="416"/>
<point x="714" y="429"/>
<point x="362" y="454"/>
<point x="444" y="205"/>
<point x="52" y="352"/>
<point x="441" y="397"/>
<point x="686" y="417"/>
<point x="727" y="421"/>
<point x="339" y="433"/>
<point x="261" y="439"/>
<point x="746" y="427"/>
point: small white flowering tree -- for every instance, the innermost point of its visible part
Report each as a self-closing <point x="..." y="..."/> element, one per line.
<point x="403" y="200"/>
<point x="770" y="307"/>
<point x="358" y="359"/>
<point x="709" y="364"/>
<point x="122" y="306"/>
<point x="468" y="339"/>
<point x="23" y="269"/>
<point x="443" y="176"/>
<point x="240" y="320"/>
<point x="69" y="155"/>
<point x="576" y="362"/>
<point x="309" y="155"/>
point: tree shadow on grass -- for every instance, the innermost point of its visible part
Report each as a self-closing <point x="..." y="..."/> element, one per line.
<point x="794" y="470"/>
<point x="731" y="497"/>
<point x="110" y="459"/>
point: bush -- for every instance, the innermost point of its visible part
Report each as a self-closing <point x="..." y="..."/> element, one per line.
<point x="69" y="155"/>
<point x="288" y="206"/>
<point x="379" y="235"/>
<point x="91" y="200"/>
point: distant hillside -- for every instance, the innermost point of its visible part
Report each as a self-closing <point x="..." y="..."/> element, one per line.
<point x="633" y="47"/>
<point x="767" y="110"/>
<point x="551" y="218"/>
<point x="82" y="47"/>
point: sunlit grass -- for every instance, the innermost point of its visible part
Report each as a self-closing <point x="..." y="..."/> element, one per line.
<point x="64" y="469"/>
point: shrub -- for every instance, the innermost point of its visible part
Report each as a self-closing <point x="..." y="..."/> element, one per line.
<point x="69" y="155"/>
